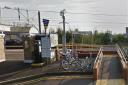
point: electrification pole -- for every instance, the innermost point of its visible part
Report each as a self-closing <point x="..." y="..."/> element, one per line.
<point x="62" y="13"/>
<point x="18" y="13"/>
<point x="0" y="12"/>
<point x="27" y="16"/>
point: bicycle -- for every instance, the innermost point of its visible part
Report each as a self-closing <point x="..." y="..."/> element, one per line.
<point x="67" y="62"/>
<point x="71" y="63"/>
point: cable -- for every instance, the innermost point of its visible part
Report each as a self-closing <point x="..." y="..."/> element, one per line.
<point x="68" y="12"/>
<point x="50" y="11"/>
<point x="57" y="20"/>
<point x="96" y="14"/>
<point x="99" y="22"/>
<point x="99" y="14"/>
<point x="9" y="17"/>
<point x="23" y="15"/>
<point x="110" y="22"/>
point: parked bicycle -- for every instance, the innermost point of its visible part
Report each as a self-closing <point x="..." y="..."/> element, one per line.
<point x="73" y="63"/>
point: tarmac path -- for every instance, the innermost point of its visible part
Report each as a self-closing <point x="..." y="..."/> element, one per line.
<point x="111" y="73"/>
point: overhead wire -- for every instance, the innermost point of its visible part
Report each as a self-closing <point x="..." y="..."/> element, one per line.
<point x="57" y="20"/>
<point x="67" y="12"/>
<point x="78" y="13"/>
<point x="95" y="14"/>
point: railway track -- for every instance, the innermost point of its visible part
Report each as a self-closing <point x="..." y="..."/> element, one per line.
<point x="45" y="76"/>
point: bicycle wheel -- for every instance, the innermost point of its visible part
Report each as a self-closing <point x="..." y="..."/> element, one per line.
<point x="65" y="65"/>
<point x="75" y="65"/>
<point x="83" y="64"/>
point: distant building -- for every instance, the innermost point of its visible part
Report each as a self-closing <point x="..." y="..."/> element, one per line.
<point x="83" y="32"/>
<point x="54" y="39"/>
<point x="4" y="28"/>
<point x="14" y="33"/>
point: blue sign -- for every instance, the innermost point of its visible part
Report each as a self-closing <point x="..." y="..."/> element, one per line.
<point x="46" y="22"/>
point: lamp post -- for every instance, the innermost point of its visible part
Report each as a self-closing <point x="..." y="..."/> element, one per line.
<point x="62" y="13"/>
<point x="39" y="22"/>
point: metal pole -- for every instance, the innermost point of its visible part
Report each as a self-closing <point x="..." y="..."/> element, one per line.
<point x="64" y="35"/>
<point x="0" y="12"/>
<point x="39" y="22"/>
<point x="73" y="44"/>
<point x="27" y="16"/>
<point x="18" y="13"/>
<point x="62" y="13"/>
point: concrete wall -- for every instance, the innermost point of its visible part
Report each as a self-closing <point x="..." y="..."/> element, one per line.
<point x="14" y="54"/>
<point x="28" y="49"/>
<point x="2" y="49"/>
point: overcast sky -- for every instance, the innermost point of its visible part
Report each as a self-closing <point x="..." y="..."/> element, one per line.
<point x="99" y="15"/>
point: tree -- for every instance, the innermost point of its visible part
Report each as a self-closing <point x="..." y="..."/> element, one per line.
<point x="69" y="36"/>
<point x="106" y="38"/>
<point x="59" y="32"/>
<point x="77" y="37"/>
<point x="119" y="38"/>
<point x="52" y="30"/>
<point x="97" y="37"/>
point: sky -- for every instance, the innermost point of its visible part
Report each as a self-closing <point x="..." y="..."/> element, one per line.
<point x="85" y="15"/>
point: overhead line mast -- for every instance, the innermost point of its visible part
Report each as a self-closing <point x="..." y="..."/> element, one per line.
<point x="62" y="13"/>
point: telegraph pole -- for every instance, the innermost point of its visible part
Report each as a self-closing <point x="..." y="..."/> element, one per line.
<point x="62" y="13"/>
<point x="39" y="22"/>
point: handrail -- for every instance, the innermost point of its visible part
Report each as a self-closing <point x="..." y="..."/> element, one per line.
<point x="123" y="61"/>
<point x="97" y="64"/>
<point x="98" y="55"/>
<point x="119" y="50"/>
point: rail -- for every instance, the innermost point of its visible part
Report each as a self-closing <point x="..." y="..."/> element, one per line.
<point x="42" y="76"/>
<point x="97" y="64"/>
<point x="14" y="47"/>
<point x="124" y="62"/>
